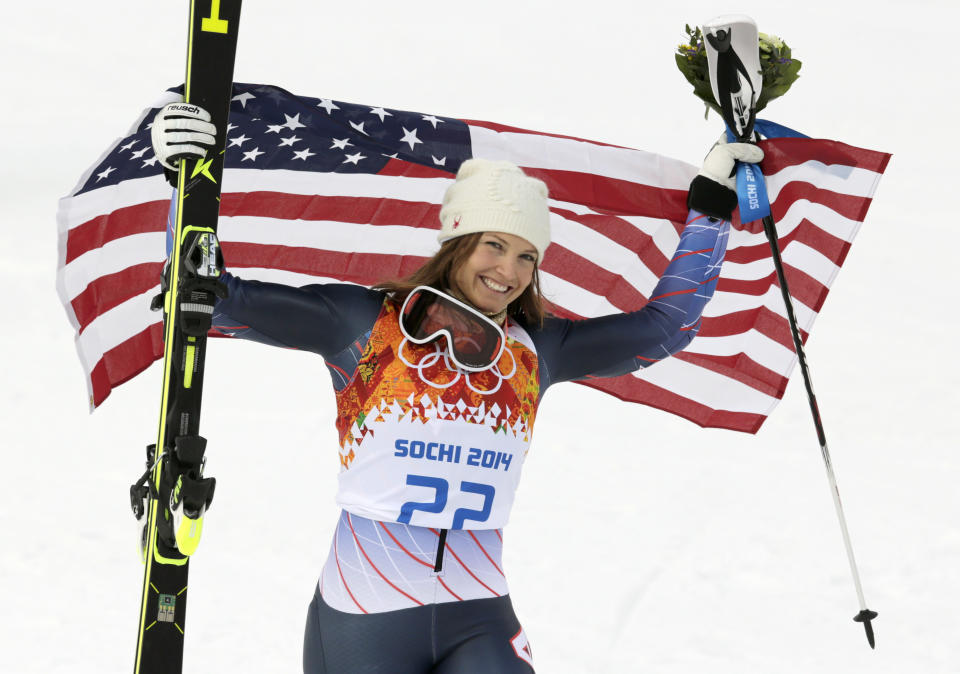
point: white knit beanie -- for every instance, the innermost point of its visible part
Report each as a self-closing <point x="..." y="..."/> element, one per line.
<point x="496" y="196"/>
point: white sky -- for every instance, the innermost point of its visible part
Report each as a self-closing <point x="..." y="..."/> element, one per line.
<point x="639" y="542"/>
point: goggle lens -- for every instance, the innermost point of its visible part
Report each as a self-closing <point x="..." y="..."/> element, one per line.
<point x="475" y="342"/>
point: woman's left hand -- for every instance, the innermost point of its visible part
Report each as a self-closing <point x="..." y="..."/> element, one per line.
<point x="713" y="191"/>
<point x="720" y="164"/>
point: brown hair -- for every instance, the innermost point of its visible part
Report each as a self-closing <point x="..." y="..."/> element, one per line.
<point x="437" y="272"/>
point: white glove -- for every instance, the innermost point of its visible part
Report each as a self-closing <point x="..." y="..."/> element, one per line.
<point x="721" y="162"/>
<point x="181" y="130"/>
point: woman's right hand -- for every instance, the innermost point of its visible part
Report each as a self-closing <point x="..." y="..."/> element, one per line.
<point x="181" y="131"/>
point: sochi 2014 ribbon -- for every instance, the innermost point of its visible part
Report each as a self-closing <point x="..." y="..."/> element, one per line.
<point x="751" y="186"/>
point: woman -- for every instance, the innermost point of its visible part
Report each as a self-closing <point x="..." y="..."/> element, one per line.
<point x="438" y="378"/>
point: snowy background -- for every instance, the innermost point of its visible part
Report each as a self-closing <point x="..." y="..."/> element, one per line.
<point x="639" y="542"/>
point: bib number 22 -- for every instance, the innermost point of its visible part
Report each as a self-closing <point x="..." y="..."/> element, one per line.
<point x="441" y="490"/>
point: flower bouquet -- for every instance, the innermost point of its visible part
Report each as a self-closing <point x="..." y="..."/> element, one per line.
<point x="780" y="70"/>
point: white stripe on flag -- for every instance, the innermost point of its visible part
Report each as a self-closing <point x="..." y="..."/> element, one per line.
<point x="823" y="217"/>
<point x="81" y="208"/>
<point x="724" y="302"/>
<point x="364" y="185"/>
<point x="838" y="178"/>
<point x="76" y="210"/>
<point x="661" y="231"/>
<point x="576" y="299"/>
<point x="706" y="387"/>
<point x="811" y="261"/>
<point x="753" y="344"/>
<point x="329" y="235"/>
<point x="602" y="251"/>
<point x="563" y="154"/>
<point x="111" y="258"/>
<point x="796" y="254"/>
<point x="114" y="327"/>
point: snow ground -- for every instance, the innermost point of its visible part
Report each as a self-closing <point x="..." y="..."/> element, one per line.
<point x="639" y="542"/>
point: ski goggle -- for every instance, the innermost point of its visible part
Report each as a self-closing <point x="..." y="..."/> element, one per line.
<point x="474" y="342"/>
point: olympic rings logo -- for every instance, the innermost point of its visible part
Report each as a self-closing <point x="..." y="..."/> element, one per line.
<point x="431" y="359"/>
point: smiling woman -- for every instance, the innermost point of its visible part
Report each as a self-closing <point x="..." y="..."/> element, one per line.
<point x="476" y="251"/>
<point x="511" y="210"/>
<point x="495" y="227"/>
<point x="498" y="271"/>
<point x="438" y="378"/>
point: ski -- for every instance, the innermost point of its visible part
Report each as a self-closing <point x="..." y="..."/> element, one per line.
<point x="171" y="498"/>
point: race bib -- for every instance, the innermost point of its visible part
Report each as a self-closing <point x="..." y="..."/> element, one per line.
<point x="431" y="445"/>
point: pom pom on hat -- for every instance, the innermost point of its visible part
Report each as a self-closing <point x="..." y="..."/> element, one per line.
<point x="496" y="196"/>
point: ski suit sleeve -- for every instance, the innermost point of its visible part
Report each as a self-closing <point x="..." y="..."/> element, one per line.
<point x="610" y="346"/>
<point x="321" y="318"/>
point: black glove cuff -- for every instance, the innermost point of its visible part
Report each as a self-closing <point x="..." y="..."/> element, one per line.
<point x="711" y="198"/>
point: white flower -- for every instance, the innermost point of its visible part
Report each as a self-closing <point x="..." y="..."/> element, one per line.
<point x="768" y="41"/>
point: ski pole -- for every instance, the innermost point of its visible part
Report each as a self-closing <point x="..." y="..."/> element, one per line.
<point x="736" y="82"/>
<point x="865" y="615"/>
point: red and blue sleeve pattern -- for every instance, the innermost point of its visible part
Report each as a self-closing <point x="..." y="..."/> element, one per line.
<point x="613" y="345"/>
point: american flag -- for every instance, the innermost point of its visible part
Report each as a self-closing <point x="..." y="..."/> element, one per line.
<point x="317" y="190"/>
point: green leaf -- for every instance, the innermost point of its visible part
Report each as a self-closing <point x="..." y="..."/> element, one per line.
<point x="777" y="77"/>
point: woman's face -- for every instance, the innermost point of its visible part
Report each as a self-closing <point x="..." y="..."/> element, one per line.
<point x="497" y="272"/>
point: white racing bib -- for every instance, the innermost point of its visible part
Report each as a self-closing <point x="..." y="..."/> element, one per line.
<point x="427" y="444"/>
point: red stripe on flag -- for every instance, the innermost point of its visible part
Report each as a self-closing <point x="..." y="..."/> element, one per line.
<point x="407" y="169"/>
<point x="138" y="219"/>
<point x="609" y="196"/>
<point x="849" y="206"/>
<point x="763" y="320"/>
<point x="500" y="128"/>
<point x="126" y="360"/>
<point x="631" y="389"/>
<point x="803" y="287"/>
<point x="152" y="216"/>
<point x="741" y="368"/>
<point x="365" y="268"/>
<point x="110" y="290"/>
<point x="569" y="266"/>
<point x="626" y="234"/>
<point x="778" y="153"/>
<point x="613" y="195"/>
<point x="833" y="248"/>
<point x="358" y="210"/>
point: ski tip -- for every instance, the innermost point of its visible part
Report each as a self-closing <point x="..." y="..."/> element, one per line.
<point x="865" y="616"/>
